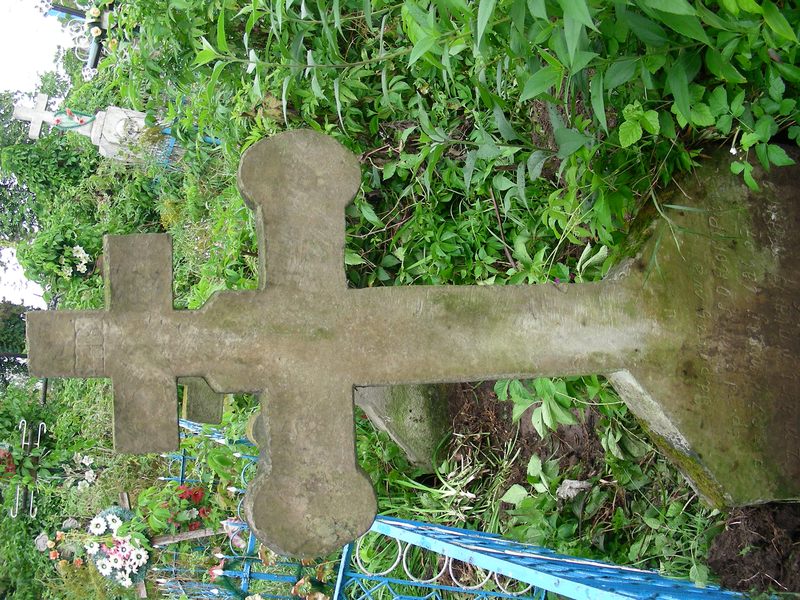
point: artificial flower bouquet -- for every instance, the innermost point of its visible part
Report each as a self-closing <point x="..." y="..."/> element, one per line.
<point x="119" y="552"/>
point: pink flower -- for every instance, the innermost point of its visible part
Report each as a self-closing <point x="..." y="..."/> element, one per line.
<point x="57" y="121"/>
<point x="216" y="570"/>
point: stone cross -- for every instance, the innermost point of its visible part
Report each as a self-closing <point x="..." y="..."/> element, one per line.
<point x="704" y="348"/>
<point x="38" y="115"/>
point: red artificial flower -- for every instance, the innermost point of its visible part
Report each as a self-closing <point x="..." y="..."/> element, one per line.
<point x="69" y="113"/>
<point x="57" y="121"/>
<point x="204" y="512"/>
<point x="54" y="554"/>
<point x="194" y="525"/>
<point x="185" y="492"/>
<point x="197" y="495"/>
<point x="78" y="562"/>
<point x="81" y="121"/>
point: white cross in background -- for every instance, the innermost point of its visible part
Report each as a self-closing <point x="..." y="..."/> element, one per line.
<point x="36" y="115"/>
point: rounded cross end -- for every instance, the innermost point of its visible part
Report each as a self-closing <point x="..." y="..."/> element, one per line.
<point x="310" y="515"/>
<point x="299" y="163"/>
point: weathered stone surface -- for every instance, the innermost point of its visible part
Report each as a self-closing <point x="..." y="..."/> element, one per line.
<point x="720" y="391"/>
<point x="201" y="404"/>
<point x="677" y="342"/>
<point x="414" y="416"/>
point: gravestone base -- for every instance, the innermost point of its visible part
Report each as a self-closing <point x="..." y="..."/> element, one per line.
<point x="721" y="396"/>
<point x="414" y="416"/>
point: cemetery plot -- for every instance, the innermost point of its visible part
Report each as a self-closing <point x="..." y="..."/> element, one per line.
<point x="678" y="344"/>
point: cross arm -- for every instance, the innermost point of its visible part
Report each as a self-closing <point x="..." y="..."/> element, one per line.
<point x="298" y="184"/>
<point x="309" y="497"/>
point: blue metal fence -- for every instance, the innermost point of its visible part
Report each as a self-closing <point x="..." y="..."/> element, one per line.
<point x="419" y="560"/>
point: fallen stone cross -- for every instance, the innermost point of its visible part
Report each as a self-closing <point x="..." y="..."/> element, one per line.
<point x="703" y="345"/>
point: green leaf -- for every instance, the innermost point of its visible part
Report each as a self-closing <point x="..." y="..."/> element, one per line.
<point x="724" y="124"/>
<point x="776" y="87"/>
<point x="222" y="43"/>
<point x="652" y="522"/>
<point x="469" y="167"/>
<point x="485" y="10"/>
<point x="718" y="101"/>
<point x="515" y="494"/>
<point x="598" y="100"/>
<point x="535" y="163"/>
<point x="503" y="126"/>
<point x="572" y="35"/>
<point x="540" y="82"/>
<point x="687" y="25"/>
<point x="420" y="48"/>
<point x="750" y="6"/>
<point x="578" y="10"/>
<point x="699" y="574"/>
<point x="722" y="68"/>
<point x="633" y="112"/>
<point x="730" y="6"/>
<point x="570" y="141"/>
<point x="737" y="104"/>
<point x="352" y="258"/>
<point x="630" y="132"/>
<point x="778" y="157"/>
<point x="677" y="7"/>
<point x="620" y="72"/>
<point x="369" y="214"/>
<point x="777" y="22"/>
<point x="538" y="9"/>
<point x="701" y="115"/>
<point x="790" y="72"/>
<point x="679" y="86"/>
<point x="649" y="122"/>
<point x="205" y="56"/>
<point x="535" y="466"/>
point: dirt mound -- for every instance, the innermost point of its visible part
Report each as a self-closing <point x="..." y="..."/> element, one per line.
<point x="759" y="549"/>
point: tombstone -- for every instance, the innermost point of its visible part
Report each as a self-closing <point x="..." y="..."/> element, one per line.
<point x="702" y="341"/>
<point x="117" y="132"/>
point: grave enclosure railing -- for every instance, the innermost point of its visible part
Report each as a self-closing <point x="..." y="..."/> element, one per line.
<point x="418" y="560"/>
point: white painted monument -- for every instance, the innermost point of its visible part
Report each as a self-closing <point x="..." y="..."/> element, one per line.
<point x="116" y="131"/>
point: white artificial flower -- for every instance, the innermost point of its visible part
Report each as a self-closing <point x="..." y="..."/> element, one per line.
<point x="115" y="561"/>
<point x="192" y="513"/>
<point x="90" y="476"/>
<point x="124" y="580"/>
<point x="87" y="460"/>
<point x="66" y="271"/>
<point x="81" y="268"/>
<point x="113" y="521"/>
<point x="104" y="567"/>
<point x="139" y="557"/>
<point x="83" y="484"/>
<point x="94" y="12"/>
<point x="88" y="73"/>
<point x="92" y="548"/>
<point x="97" y="526"/>
<point x="733" y="150"/>
<point x="95" y="31"/>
